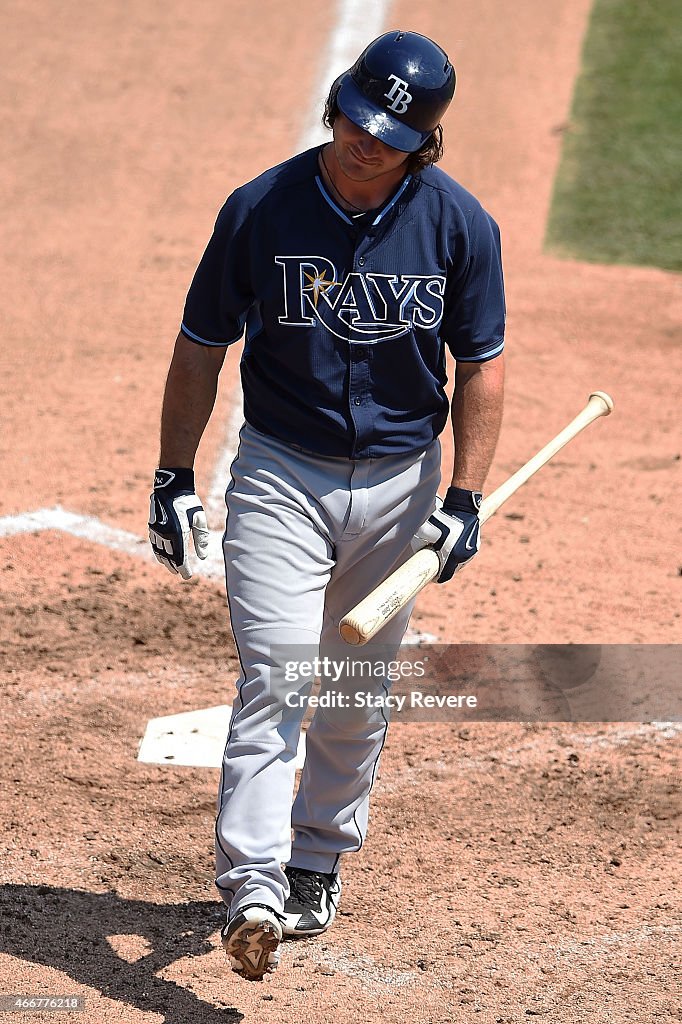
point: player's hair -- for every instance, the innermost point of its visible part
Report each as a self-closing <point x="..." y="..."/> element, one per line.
<point x="429" y="153"/>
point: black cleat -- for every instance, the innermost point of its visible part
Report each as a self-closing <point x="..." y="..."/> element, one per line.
<point x="311" y="905"/>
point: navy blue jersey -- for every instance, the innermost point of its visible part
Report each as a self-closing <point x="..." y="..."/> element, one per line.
<point x="347" y="322"/>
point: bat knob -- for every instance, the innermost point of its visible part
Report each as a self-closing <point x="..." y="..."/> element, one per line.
<point x="350" y="634"/>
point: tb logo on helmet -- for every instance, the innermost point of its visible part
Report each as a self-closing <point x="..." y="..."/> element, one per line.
<point x="398" y="89"/>
<point x="398" y="94"/>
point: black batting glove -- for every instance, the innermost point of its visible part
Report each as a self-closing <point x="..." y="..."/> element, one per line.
<point x="175" y="511"/>
<point x="453" y="531"/>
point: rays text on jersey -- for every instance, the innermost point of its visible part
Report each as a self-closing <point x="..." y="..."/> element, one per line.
<point x="364" y="308"/>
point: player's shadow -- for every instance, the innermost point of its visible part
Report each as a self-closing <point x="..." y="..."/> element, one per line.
<point x="67" y="929"/>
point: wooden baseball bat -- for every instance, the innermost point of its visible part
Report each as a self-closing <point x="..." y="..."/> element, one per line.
<point x="362" y="622"/>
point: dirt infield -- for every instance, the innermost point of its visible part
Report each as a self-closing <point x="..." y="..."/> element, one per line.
<point x="511" y="871"/>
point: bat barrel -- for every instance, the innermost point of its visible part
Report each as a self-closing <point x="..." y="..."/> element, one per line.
<point x="379" y="607"/>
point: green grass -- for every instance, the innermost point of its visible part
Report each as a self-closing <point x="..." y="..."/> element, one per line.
<point x="618" y="193"/>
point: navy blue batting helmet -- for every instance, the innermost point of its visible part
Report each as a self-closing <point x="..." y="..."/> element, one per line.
<point x="398" y="89"/>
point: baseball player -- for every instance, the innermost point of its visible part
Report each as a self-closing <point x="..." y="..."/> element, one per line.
<point x="350" y="270"/>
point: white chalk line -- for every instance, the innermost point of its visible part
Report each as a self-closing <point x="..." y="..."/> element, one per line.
<point x="213" y="565"/>
<point x="357" y="23"/>
<point x="86" y="527"/>
<point x="631" y="938"/>
<point x="373" y="976"/>
<point x="215" y="501"/>
<point x="363" y="968"/>
<point x="94" y="530"/>
<point x="623" y="734"/>
<point x="513" y="756"/>
<point x="616" y="735"/>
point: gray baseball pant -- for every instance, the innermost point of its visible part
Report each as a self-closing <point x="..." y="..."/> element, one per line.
<point x="306" y="538"/>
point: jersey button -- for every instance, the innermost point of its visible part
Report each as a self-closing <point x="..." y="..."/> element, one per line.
<point x="357" y="401"/>
<point x="361" y="261"/>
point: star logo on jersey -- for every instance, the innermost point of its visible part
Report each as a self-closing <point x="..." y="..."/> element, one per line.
<point x="318" y="285"/>
<point x="363" y="308"/>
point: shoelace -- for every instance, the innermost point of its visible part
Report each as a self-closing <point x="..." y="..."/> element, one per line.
<point x="305" y="888"/>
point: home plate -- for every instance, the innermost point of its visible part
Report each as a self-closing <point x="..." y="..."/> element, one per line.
<point x="194" y="739"/>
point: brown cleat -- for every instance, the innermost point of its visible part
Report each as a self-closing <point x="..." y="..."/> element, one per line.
<point x="251" y="940"/>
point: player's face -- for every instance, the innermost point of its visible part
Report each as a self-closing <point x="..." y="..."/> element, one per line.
<point x="361" y="157"/>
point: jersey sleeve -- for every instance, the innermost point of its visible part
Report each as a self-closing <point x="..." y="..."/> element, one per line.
<point x="474" y="314"/>
<point x="220" y="294"/>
